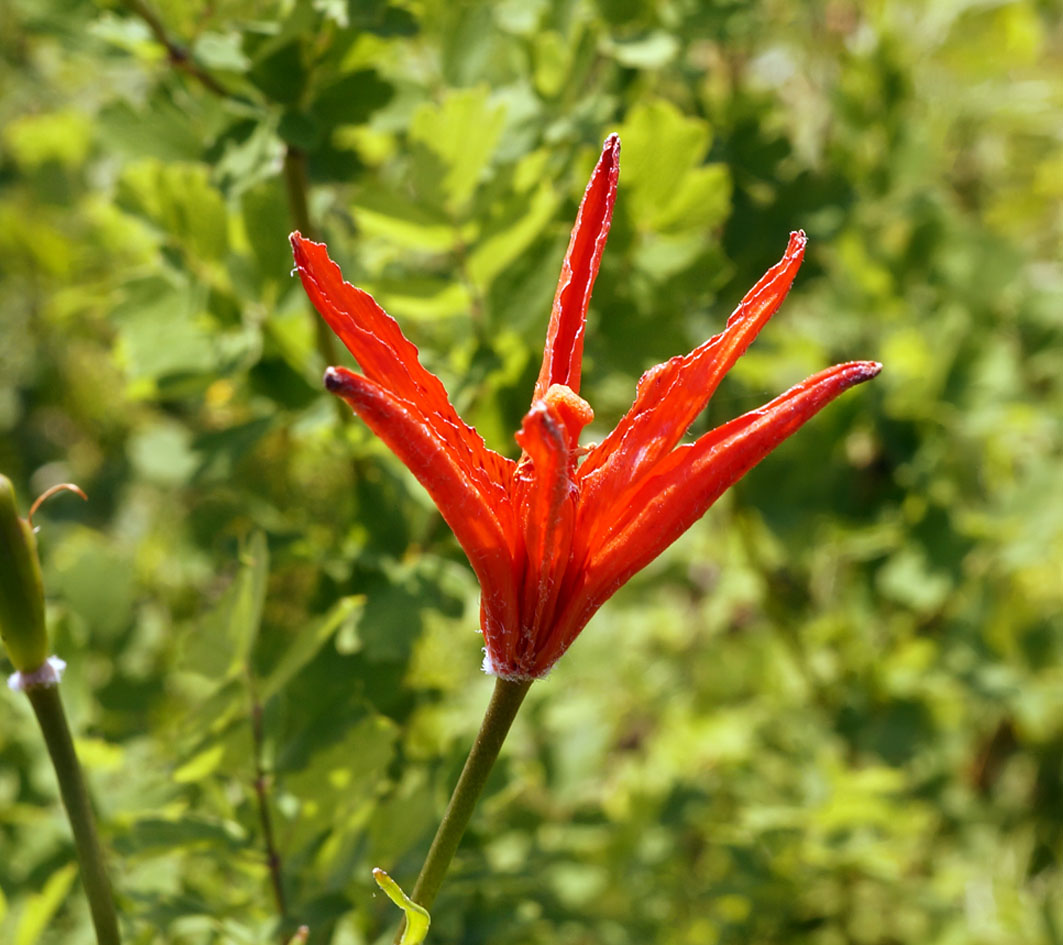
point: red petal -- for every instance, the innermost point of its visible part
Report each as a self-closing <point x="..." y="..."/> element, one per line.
<point x="481" y="520"/>
<point x="390" y="359"/>
<point x="671" y="395"/>
<point x="563" y="357"/>
<point x="545" y="497"/>
<point x="650" y="515"/>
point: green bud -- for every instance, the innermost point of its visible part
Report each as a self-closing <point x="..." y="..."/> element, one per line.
<point x="21" y="589"/>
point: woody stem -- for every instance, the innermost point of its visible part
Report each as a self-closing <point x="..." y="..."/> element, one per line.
<point x="505" y="701"/>
<point x="48" y="708"/>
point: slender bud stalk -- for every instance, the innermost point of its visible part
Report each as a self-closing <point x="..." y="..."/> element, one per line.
<point x="25" y="638"/>
<point x="48" y="708"/>
<point x="505" y="701"/>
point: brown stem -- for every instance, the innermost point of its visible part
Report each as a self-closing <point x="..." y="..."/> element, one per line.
<point x="178" y="55"/>
<point x="273" y="860"/>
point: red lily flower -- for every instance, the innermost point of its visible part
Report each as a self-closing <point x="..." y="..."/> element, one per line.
<point x="551" y="538"/>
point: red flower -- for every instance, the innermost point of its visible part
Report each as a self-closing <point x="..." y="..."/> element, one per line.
<point x="550" y="537"/>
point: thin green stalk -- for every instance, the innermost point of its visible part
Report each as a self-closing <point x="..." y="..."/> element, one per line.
<point x="505" y="701"/>
<point x="49" y="710"/>
<point x="298" y="190"/>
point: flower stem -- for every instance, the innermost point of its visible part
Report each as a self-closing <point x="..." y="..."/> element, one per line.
<point x="297" y="187"/>
<point x="261" y="785"/>
<point x="49" y="710"/>
<point x="505" y="701"/>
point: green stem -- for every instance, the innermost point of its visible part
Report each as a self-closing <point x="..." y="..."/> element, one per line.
<point x="49" y="710"/>
<point x="505" y="701"/>
<point x="298" y="188"/>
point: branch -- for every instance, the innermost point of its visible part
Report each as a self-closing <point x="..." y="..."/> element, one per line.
<point x="178" y="55"/>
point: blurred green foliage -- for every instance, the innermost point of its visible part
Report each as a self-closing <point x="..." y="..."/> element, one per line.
<point x="832" y="714"/>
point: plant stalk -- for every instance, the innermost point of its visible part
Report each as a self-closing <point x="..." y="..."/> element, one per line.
<point x="297" y="187"/>
<point x="505" y="701"/>
<point x="261" y="786"/>
<point x="48" y="708"/>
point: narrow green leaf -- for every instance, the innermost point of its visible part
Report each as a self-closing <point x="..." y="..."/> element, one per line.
<point x="41" y="907"/>
<point x="525" y="221"/>
<point x="417" y="918"/>
<point x="306" y="644"/>
<point x="248" y="599"/>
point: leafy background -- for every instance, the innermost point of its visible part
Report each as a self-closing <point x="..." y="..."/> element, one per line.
<point x="833" y="713"/>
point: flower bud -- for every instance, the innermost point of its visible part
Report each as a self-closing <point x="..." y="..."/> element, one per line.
<point x="21" y="589"/>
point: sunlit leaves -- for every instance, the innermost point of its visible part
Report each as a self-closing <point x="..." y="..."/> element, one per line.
<point x="62" y="136"/>
<point x="831" y="715"/>
<point x="670" y="186"/>
<point x="461" y="134"/>
<point x="180" y="202"/>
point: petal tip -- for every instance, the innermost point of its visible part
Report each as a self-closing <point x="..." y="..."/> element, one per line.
<point x="856" y="372"/>
<point x="335" y="380"/>
<point x="869" y="369"/>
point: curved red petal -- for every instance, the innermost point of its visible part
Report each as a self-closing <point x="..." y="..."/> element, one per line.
<point x="481" y="523"/>
<point x="671" y="395"/>
<point x="390" y="359"/>
<point x="652" y="514"/>
<point x="563" y="357"/>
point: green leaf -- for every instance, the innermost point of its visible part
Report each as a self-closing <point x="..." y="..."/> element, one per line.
<point x="280" y="73"/>
<point x="246" y="599"/>
<point x="157" y="129"/>
<point x="173" y="833"/>
<point x="220" y="646"/>
<point x="220" y="51"/>
<point x="523" y="219"/>
<point x="462" y="132"/>
<point x="652" y="51"/>
<point x="267" y="223"/>
<point x="96" y="581"/>
<point x="308" y="642"/>
<point x="404" y="222"/>
<point x="158" y="333"/>
<point x="351" y="99"/>
<point x="666" y="185"/>
<point x="162" y="453"/>
<point x="553" y="59"/>
<point x="180" y="201"/>
<point x="417" y="918"/>
<point x="421" y="297"/>
<point x="63" y="136"/>
<point x="334" y="781"/>
<point x="43" y="905"/>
